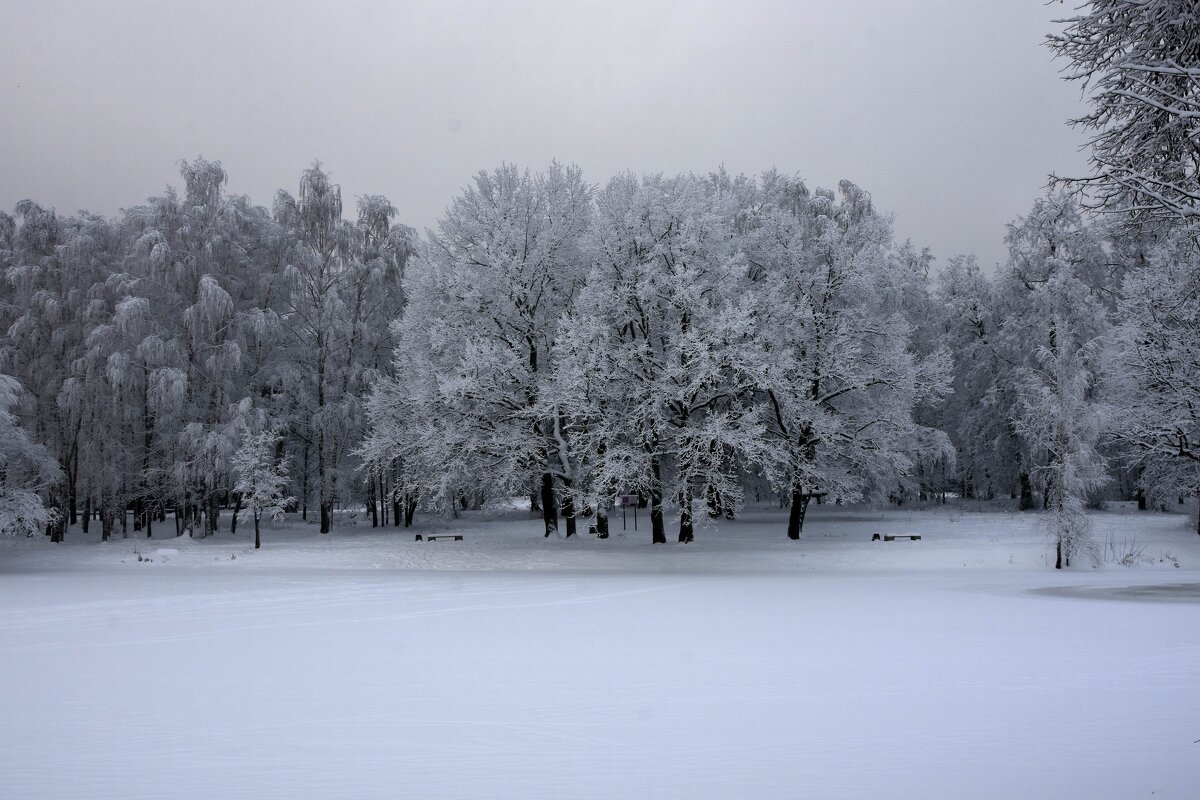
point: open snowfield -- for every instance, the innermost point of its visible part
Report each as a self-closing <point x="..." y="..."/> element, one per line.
<point x="366" y="665"/>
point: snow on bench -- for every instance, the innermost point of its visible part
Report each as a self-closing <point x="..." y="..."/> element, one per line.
<point x="457" y="537"/>
<point x="891" y="537"/>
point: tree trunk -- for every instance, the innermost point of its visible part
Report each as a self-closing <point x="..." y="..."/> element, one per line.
<point x="713" y="498"/>
<point x="1026" y="502"/>
<point x="257" y="541"/>
<point x="535" y="505"/>
<point x="549" y="505"/>
<point x="371" y="501"/>
<point x="568" y="508"/>
<point x="108" y="518"/>
<point x="237" y="509"/>
<point x="686" y="526"/>
<point x="1198" y="513"/>
<point x="304" y="487"/>
<point x="397" y="519"/>
<point x="73" y="482"/>
<point x="602" y="521"/>
<point x="87" y="512"/>
<point x="410" y="509"/>
<point x="1058" y="561"/>
<point x="212" y="515"/>
<point x="658" y="530"/>
<point x="137" y="515"/>
<point x="383" y="509"/>
<point x="327" y="503"/>
<point x="124" y="521"/>
<point x="149" y="523"/>
<point x="800" y="500"/>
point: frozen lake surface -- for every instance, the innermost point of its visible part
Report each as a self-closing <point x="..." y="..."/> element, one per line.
<point x="364" y="664"/>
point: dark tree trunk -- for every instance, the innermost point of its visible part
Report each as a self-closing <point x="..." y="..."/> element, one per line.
<point x="658" y="530"/>
<point x="73" y="482"/>
<point x="1058" y="561"/>
<point x="602" y="522"/>
<point x="257" y="540"/>
<point x="304" y="487"/>
<point x="87" y="513"/>
<point x="1198" y="513"/>
<point x="213" y="515"/>
<point x="568" y="508"/>
<point x="237" y="509"/>
<point x="108" y="519"/>
<point x="1141" y="498"/>
<point x="149" y="523"/>
<point x="535" y="504"/>
<point x="137" y="515"/>
<point x="395" y="500"/>
<point x="326" y="515"/>
<point x="124" y="521"/>
<point x="383" y="509"/>
<point x="410" y="509"/>
<point x="1026" y="502"/>
<point x="686" y="526"/>
<point x="549" y="505"/>
<point x="713" y="498"/>
<point x="800" y="500"/>
<point x="371" y="502"/>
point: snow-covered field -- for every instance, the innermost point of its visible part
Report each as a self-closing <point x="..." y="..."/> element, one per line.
<point x="367" y="665"/>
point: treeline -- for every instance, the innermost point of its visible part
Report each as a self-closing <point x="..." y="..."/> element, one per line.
<point x="153" y="344"/>
<point x="690" y="340"/>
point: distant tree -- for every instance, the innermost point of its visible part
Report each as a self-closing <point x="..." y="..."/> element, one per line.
<point x="654" y="384"/>
<point x="26" y="470"/>
<point x="473" y="347"/>
<point x="261" y="477"/>
<point x="1153" y="373"/>
<point x="840" y="374"/>
<point x="1140" y="62"/>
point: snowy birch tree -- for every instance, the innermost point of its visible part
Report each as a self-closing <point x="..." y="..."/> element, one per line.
<point x="261" y="476"/>
<point x="26" y="470"/>
<point x="1062" y="425"/>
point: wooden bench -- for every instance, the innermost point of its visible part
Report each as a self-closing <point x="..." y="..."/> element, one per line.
<point x="891" y="537"/>
<point x="457" y="537"/>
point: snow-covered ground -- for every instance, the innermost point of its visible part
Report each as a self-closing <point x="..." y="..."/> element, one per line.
<point x="364" y="664"/>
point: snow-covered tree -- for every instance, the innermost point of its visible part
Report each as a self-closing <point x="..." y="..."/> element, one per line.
<point x="839" y="375"/>
<point x="474" y="343"/>
<point x="345" y="288"/>
<point x="656" y="380"/>
<point x="26" y="470"/>
<point x="1139" y="63"/>
<point x="261" y="476"/>
<point x="1153" y="373"/>
<point x="1061" y="424"/>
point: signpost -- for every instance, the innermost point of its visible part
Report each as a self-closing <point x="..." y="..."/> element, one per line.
<point x="627" y="501"/>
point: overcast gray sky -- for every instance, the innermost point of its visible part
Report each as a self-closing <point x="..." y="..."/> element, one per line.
<point x="950" y="112"/>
